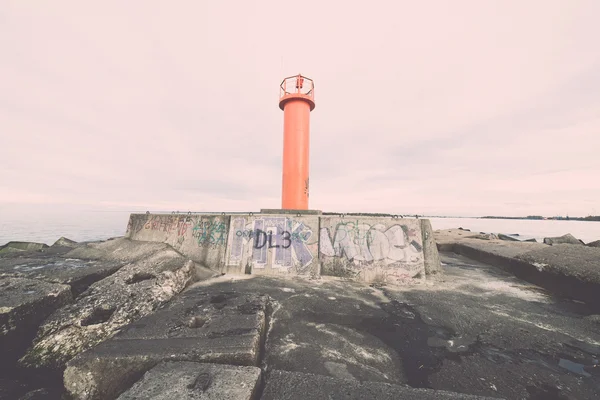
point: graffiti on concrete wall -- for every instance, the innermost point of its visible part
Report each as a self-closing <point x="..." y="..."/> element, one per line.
<point x="207" y="231"/>
<point x="159" y="222"/>
<point x="284" y="238"/>
<point x="364" y="243"/>
<point x="210" y="232"/>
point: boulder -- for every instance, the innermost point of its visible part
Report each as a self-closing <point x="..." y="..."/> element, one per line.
<point x="134" y="291"/>
<point x="502" y="236"/>
<point x="594" y="244"/>
<point x="21" y="246"/>
<point x="565" y="239"/>
<point x="483" y="236"/>
<point x="24" y="304"/>
<point x="64" y="242"/>
<point x="190" y="380"/>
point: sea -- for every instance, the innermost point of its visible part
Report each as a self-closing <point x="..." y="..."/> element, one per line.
<point x="91" y="225"/>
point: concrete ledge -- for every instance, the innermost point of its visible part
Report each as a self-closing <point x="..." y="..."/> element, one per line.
<point x="568" y="270"/>
<point x="294" y="212"/>
<point x="283" y="385"/>
<point x="189" y="381"/>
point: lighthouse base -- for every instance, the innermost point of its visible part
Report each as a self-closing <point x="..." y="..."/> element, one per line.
<point x="375" y="248"/>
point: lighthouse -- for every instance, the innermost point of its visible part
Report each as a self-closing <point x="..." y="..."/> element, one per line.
<point x="297" y="100"/>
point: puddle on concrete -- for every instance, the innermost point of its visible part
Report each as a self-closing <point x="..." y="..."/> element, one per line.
<point x="573" y="367"/>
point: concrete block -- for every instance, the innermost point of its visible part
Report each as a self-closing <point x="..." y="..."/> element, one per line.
<point x="189" y="380"/>
<point x="371" y="249"/>
<point x="201" y="237"/>
<point x="273" y="244"/>
<point x="77" y="273"/>
<point x="22" y="246"/>
<point x="283" y="385"/>
<point x="565" y="239"/>
<point x="566" y="270"/>
<point x="431" y="255"/>
<point x="65" y="242"/>
<point x="119" y="249"/>
<point x="24" y="304"/>
<point x="134" y="291"/>
<point x="200" y="325"/>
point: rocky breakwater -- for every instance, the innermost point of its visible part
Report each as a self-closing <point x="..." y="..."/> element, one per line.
<point x="57" y="301"/>
<point x="563" y="265"/>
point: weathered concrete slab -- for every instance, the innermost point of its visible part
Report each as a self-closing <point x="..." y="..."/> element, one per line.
<point x="565" y="269"/>
<point x="134" y="291"/>
<point x="79" y="274"/>
<point x="563" y="259"/>
<point x="24" y="304"/>
<point x="430" y="250"/>
<point x="118" y="249"/>
<point x="474" y="329"/>
<point x="509" y="238"/>
<point x="199" y="325"/>
<point x="273" y="245"/>
<point x="326" y="326"/>
<point x="201" y="237"/>
<point x="283" y="385"/>
<point x="190" y="380"/>
<point x="64" y="242"/>
<point x="564" y="239"/>
<point x="447" y="239"/>
<point x="495" y="335"/>
<point x="21" y="246"/>
<point x="371" y="249"/>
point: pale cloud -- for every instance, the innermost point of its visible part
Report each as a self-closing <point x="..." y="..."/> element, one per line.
<point x="440" y="107"/>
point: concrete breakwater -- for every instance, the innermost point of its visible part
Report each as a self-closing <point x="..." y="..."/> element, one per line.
<point x="130" y="318"/>
<point x="369" y="248"/>
<point x="563" y="265"/>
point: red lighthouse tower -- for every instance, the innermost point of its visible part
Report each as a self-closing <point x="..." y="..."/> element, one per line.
<point x="297" y="100"/>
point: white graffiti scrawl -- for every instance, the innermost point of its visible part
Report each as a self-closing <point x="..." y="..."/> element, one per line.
<point x="361" y="242"/>
<point x="284" y="238"/>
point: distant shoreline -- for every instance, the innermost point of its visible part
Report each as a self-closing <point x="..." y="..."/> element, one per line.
<point x="595" y="218"/>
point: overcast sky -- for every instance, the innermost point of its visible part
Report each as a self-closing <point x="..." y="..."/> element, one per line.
<point x="430" y="107"/>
